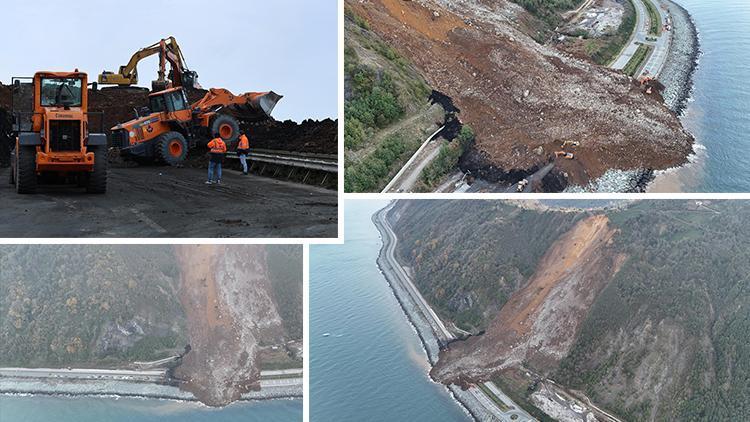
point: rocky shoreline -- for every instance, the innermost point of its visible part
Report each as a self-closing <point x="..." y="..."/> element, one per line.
<point x="682" y="60"/>
<point x="427" y="337"/>
<point x="677" y="78"/>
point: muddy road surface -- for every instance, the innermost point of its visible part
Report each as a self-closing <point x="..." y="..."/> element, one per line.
<point x="159" y="201"/>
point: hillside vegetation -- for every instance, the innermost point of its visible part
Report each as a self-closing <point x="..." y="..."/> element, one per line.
<point x="666" y="338"/>
<point x="88" y="304"/>
<point x="386" y="107"/>
<point x="108" y="305"/>
<point x="501" y="243"/>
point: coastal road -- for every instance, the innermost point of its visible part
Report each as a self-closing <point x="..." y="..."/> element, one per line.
<point x="440" y="330"/>
<point x="276" y="378"/>
<point x="164" y="201"/>
<point x="154" y="375"/>
<point x="658" y="56"/>
<point x="281" y="382"/>
<point x="655" y="62"/>
<point x="639" y="35"/>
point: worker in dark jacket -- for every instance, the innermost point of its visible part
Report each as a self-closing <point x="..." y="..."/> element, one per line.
<point x="216" y="151"/>
<point x="243" y="147"/>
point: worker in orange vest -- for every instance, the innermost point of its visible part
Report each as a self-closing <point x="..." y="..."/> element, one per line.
<point x="243" y="147"/>
<point x="216" y="150"/>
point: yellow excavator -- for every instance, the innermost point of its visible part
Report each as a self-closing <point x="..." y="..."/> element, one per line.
<point x="168" y="51"/>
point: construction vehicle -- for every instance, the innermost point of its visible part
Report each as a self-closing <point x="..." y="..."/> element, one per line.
<point x="52" y="138"/>
<point x="173" y="126"/>
<point x="570" y="143"/>
<point x="649" y="83"/>
<point x="522" y="185"/>
<point x="169" y="51"/>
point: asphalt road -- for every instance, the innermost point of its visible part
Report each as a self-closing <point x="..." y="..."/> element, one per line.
<point x="404" y="180"/>
<point x="85" y="374"/>
<point x="658" y="57"/>
<point x="655" y="62"/>
<point x="441" y="331"/>
<point x="169" y="202"/>
<point x="641" y="31"/>
<point x="282" y="380"/>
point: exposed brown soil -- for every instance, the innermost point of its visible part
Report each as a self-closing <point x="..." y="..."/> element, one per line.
<point x="539" y="322"/>
<point x="524" y="99"/>
<point x="227" y="299"/>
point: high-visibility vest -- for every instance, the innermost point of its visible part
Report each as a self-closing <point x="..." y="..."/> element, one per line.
<point x="217" y="146"/>
<point x="244" y="143"/>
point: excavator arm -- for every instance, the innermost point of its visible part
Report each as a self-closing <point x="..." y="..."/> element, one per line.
<point x="169" y="51"/>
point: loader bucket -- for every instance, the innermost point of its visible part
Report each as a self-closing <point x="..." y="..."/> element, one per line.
<point x="257" y="107"/>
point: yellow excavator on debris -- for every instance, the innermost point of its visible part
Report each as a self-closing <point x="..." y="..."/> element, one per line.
<point x="168" y="51"/>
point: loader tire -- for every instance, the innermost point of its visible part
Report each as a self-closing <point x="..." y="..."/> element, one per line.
<point x="97" y="179"/>
<point x="171" y="148"/>
<point x="226" y="127"/>
<point x="25" y="168"/>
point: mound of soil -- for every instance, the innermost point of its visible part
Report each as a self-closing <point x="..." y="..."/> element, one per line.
<point x="312" y="136"/>
<point x="523" y="99"/>
<point x="119" y="104"/>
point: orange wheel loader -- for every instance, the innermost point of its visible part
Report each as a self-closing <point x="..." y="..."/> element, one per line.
<point x="51" y="126"/>
<point x="173" y="126"/>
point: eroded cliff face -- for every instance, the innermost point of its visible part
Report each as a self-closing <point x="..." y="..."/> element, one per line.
<point x="524" y="99"/>
<point x="539" y="323"/>
<point x="226" y="293"/>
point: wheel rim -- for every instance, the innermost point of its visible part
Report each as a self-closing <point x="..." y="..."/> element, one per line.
<point x="225" y="131"/>
<point x="175" y="148"/>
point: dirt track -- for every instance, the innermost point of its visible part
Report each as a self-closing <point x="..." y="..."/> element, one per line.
<point x="160" y="201"/>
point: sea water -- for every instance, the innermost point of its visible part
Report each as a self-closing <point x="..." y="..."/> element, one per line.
<point x="366" y="361"/>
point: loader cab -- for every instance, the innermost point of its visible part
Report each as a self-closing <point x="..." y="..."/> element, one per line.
<point x="168" y="101"/>
<point x="61" y="92"/>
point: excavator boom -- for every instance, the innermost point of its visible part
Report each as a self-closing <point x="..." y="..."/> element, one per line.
<point x="168" y="51"/>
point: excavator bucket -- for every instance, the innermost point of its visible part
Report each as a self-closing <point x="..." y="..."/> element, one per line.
<point x="256" y="107"/>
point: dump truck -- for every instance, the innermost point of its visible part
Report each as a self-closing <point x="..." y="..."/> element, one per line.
<point x="52" y="138"/>
<point x="168" y="51"/>
<point x="171" y="126"/>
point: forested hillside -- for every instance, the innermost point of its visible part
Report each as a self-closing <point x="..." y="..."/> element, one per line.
<point x="106" y="305"/>
<point x="88" y="304"/>
<point x="500" y="242"/>
<point x="667" y="337"/>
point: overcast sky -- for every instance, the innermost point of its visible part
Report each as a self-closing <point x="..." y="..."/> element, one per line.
<point x="288" y="46"/>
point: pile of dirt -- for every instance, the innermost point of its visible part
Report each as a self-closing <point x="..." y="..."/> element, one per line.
<point x="312" y="136"/>
<point x="226" y="293"/>
<point x="119" y="105"/>
<point x="5" y="126"/>
<point x="523" y="99"/>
